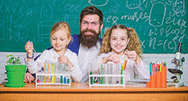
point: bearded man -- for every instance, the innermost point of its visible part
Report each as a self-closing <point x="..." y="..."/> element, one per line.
<point x="87" y="44"/>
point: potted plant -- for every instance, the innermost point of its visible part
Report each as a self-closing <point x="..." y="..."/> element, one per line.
<point x="15" y="72"/>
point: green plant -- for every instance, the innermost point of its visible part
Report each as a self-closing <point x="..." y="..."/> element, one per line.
<point x="13" y="60"/>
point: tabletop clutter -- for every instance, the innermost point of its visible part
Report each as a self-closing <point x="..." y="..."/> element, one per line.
<point x="53" y="74"/>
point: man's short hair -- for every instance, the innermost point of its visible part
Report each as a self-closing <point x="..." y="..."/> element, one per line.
<point x="92" y="10"/>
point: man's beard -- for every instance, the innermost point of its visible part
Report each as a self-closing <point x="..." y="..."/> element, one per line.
<point x="89" y="40"/>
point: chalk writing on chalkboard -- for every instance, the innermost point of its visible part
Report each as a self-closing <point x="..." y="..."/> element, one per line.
<point x="160" y="24"/>
<point x="97" y="3"/>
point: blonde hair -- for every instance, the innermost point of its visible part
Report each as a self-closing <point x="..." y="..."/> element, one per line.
<point x="133" y="45"/>
<point x="59" y="26"/>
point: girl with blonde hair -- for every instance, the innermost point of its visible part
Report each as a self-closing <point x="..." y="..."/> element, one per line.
<point x="60" y="38"/>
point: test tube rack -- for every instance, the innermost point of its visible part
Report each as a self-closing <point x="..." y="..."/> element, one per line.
<point x="53" y="74"/>
<point x="109" y="74"/>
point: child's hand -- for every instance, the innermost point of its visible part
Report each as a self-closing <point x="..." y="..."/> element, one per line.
<point x="28" y="78"/>
<point x="29" y="47"/>
<point x="65" y="60"/>
<point x="113" y="57"/>
<point x="133" y="56"/>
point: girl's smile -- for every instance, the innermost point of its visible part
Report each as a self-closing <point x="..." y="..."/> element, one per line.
<point x="118" y="40"/>
<point x="60" y="40"/>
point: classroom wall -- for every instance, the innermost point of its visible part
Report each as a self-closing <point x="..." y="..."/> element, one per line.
<point x="160" y="24"/>
<point x="146" y="57"/>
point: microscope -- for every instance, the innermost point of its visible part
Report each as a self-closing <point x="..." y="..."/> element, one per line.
<point x="178" y="69"/>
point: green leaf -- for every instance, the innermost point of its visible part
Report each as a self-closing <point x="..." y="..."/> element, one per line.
<point x="18" y="59"/>
<point x="18" y="62"/>
<point x="9" y="55"/>
<point x="9" y="61"/>
<point x="13" y="60"/>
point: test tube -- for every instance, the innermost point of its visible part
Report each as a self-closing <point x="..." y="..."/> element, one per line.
<point x="48" y="73"/>
<point x="91" y="78"/>
<point x="65" y="79"/>
<point x="101" y="73"/>
<point x="52" y="77"/>
<point x="61" y="79"/>
<point x="110" y="72"/>
<point x="58" y="79"/>
<point x="119" y="71"/>
<point x="44" y="72"/>
<point x="121" y="74"/>
<point x="114" y="72"/>
<point x="55" y="72"/>
<point x="68" y="80"/>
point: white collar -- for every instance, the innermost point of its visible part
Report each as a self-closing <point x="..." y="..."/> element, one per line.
<point x="122" y="56"/>
<point x="57" y="54"/>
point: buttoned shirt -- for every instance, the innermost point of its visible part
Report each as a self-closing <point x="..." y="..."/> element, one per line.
<point x="86" y="56"/>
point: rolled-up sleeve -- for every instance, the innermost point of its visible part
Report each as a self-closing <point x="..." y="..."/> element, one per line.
<point x="142" y="70"/>
<point x="76" y="71"/>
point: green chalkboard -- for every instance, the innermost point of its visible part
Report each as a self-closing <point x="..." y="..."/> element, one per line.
<point x="160" y="24"/>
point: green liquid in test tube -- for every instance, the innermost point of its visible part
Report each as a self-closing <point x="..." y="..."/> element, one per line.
<point x="91" y="77"/>
<point x="61" y="79"/>
<point x="121" y="74"/>
<point x="101" y="74"/>
<point x="68" y="81"/>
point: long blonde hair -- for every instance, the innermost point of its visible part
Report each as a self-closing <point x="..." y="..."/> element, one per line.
<point x="133" y="45"/>
<point x="61" y="25"/>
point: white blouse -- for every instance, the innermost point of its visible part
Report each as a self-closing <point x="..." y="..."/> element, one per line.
<point x="51" y="56"/>
<point x="140" y="71"/>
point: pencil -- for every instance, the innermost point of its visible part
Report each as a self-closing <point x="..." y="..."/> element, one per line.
<point x="158" y="76"/>
<point x="164" y="76"/>
<point x="152" y="77"/>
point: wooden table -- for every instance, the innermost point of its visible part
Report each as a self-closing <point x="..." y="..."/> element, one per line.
<point x="82" y="92"/>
